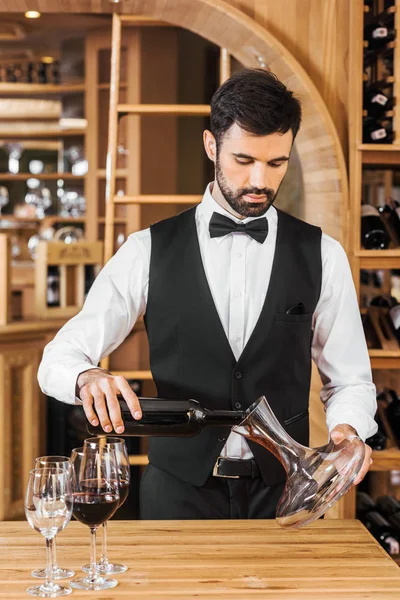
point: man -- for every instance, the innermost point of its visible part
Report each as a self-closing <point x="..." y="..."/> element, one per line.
<point x="237" y="298"/>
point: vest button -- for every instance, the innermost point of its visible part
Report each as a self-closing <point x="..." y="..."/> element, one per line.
<point x="238" y="374"/>
<point x="238" y="405"/>
<point x="221" y="439"/>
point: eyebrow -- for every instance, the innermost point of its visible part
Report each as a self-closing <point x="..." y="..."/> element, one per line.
<point x="241" y="155"/>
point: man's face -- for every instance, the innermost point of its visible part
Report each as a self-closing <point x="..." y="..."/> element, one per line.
<point x="249" y="169"/>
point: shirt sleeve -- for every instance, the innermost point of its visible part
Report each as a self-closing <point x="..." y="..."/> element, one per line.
<point x="115" y="301"/>
<point x="339" y="348"/>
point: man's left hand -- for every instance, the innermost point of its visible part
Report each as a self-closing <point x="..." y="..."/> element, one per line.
<point x="338" y="434"/>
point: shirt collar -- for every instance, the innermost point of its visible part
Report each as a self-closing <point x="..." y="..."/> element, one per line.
<point x="208" y="205"/>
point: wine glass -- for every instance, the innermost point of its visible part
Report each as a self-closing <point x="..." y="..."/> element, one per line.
<point x="96" y="498"/>
<point x="48" y="508"/>
<point x="14" y="150"/>
<point x="104" y="567"/>
<point x="4" y="198"/>
<point x="63" y="463"/>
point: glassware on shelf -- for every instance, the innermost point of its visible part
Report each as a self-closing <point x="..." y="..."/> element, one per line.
<point x="316" y="477"/>
<point x="120" y="240"/>
<point x="32" y="245"/>
<point x="48" y="509"/>
<point x="39" y="196"/>
<point x="69" y="234"/>
<point x="75" y="156"/>
<point x="73" y="204"/>
<point x="36" y="167"/>
<point x="15" y="247"/>
<point x="14" y="150"/>
<point x="4" y="197"/>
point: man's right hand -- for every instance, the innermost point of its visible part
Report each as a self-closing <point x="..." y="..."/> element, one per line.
<point x="98" y="390"/>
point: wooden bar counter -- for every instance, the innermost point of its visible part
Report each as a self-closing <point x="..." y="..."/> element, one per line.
<point x="329" y="559"/>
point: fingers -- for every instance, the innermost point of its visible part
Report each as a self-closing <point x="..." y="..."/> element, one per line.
<point x="87" y="400"/>
<point x="129" y="396"/>
<point x="101" y="410"/>
<point x="365" y="466"/>
<point x="114" y="409"/>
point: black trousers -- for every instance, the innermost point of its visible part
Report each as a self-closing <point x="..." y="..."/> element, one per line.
<point x="163" y="496"/>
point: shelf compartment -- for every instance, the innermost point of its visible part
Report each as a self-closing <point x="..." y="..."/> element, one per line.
<point x="41" y="176"/>
<point x="159" y="199"/>
<point x="379" y="259"/>
<point x="29" y="89"/>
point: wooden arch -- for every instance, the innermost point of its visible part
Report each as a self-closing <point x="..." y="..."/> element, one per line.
<point x="317" y="143"/>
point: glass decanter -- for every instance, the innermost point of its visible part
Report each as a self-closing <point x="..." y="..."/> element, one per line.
<point x="316" y="477"/>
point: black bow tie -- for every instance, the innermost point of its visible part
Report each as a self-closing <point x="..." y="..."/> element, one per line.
<point x="221" y="225"/>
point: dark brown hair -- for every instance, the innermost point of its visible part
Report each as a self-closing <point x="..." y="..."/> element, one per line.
<point x="257" y="101"/>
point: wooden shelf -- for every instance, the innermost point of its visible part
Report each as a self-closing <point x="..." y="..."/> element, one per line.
<point x="117" y="220"/>
<point x="119" y="173"/>
<point x="28" y="89"/>
<point x="41" y="176"/>
<point x="385" y="460"/>
<point x="380" y="154"/>
<point x="197" y="110"/>
<point x="379" y="259"/>
<point x="138" y="459"/>
<point x="43" y="133"/>
<point x="106" y="86"/>
<point x="159" y="199"/>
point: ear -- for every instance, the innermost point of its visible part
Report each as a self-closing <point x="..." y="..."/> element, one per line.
<point x="210" y="145"/>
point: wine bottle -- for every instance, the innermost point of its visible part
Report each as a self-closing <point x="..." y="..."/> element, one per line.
<point x="364" y="504"/>
<point x="164" y="417"/>
<point x="378" y="34"/>
<point x="53" y="286"/>
<point x="373" y="231"/>
<point x="388" y="505"/>
<point x="382" y="531"/>
<point x="393" y="413"/>
<point x="375" y="132"/>
<point x="376" y="102"/>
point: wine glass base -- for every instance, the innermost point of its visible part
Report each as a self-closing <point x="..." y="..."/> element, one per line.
<point x="109" y="569"/>
<point x="58" y="573"/>
<point x="86" y="583"/>
<point x="50" y="591"/>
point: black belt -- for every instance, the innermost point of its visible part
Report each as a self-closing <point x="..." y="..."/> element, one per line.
<point x="234" y="468"/>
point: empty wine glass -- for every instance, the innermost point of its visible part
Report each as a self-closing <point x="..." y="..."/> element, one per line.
<point x="62" y="463"/>
<point x="48" y="508"/>
<point x="96" y="498"/>
<point x="79" y="166"/>
<point x="4" y="198"/>
<point x="104" y="567"/>
<point x="14" y="150"/>
<point x="39" y="197"/>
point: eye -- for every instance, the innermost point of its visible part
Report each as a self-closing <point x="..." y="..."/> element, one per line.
<point x="275" y="166"/>
<point x="243" y="162"/>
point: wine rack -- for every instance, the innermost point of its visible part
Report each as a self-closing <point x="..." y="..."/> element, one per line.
<point x="374" y="163"/>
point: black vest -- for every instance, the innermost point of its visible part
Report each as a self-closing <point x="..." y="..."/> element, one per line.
<point x="190" y="355"/>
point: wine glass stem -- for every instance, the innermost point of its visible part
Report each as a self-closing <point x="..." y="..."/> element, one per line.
<point x="92" y="572"/>
<point x="103" y="559"/>
<point x="49" y="562"/>
<point x="54" y="554"/>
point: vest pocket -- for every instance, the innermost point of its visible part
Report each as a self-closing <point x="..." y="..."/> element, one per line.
<point x="297" y="417"/>
<point x="293" y="318"/>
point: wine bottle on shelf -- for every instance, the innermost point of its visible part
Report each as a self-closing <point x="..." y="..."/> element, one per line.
<point x="391" y="210"/>
<point x="364" y="504"/>
<point x="164" y="417"/>
<point x="53" y="286"/>
<point x="393" y="412"/>
<point x="382" y="531"/>
<point x="375" y="132"/>
<point x="376" y="102"/>
<point x="378" y="34"/>
<point x="387" y="505"/>
<point x="373" y="230"/>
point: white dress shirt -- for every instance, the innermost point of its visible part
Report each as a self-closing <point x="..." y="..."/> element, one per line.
<point x="238" y="271"/>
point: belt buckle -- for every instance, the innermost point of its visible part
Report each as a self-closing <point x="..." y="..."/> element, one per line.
<point x="216" y="474"/>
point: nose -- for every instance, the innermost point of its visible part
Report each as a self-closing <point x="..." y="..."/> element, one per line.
<point x="258" y="176"/>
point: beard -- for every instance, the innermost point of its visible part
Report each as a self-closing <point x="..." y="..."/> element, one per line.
<point x="234" y="197"/>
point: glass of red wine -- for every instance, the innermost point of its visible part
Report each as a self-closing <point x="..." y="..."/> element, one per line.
<point x="63" y="463"/>
<point x="96" y="498"/>
<point x="104" y="567"/>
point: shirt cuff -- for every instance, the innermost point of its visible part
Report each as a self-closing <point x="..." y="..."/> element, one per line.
<point x="363" y="423"/>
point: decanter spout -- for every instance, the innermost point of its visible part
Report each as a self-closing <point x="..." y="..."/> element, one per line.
<point x="261" y="425"/>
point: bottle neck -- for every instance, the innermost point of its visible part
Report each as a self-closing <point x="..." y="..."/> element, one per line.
<point x="223" y="417"/>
